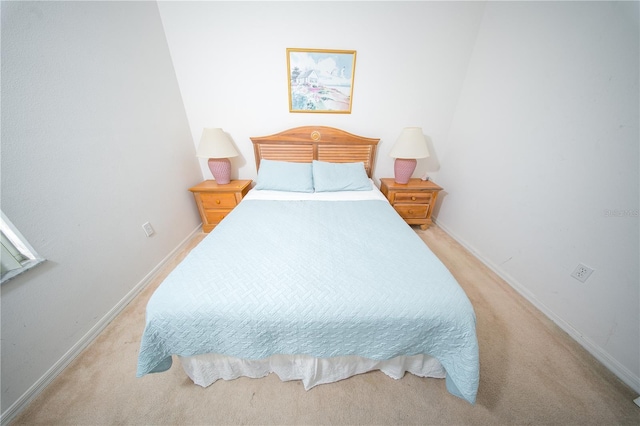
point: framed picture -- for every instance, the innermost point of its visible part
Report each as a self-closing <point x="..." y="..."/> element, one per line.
<point x="321" y="80"/>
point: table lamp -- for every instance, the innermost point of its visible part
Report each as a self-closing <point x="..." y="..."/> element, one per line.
<point x="411" y="144"/>
<point x="216" y="145"/>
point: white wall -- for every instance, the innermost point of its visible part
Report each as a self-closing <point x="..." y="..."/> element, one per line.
<point x="544" y="142"/>
<point x="230" y="59"/>
<point x="95" y="142"/>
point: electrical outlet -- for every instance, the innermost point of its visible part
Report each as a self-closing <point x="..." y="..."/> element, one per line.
<point x="148" y="229"/>
<point x="581" y="273"/>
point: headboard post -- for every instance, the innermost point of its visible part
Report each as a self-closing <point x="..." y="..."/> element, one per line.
<point x="308" y="143"/>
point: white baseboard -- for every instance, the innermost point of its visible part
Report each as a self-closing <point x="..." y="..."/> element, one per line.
<point x="76" y="349"/>
<point x="598" y="352"/>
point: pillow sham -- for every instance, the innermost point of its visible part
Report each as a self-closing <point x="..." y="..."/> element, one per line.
<point x="340" y="177"/>
<point x="285" y="176"/>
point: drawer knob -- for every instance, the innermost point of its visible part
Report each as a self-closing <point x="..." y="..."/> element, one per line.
<point x="217" y="201"/>
<point x="413" y="198"/>
<point x="410" y="211"/>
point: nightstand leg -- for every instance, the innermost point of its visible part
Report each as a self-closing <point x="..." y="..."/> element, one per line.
<point x="424" y="226"/>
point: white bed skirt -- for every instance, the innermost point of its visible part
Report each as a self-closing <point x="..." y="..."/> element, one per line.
<point x="206" y="369"/>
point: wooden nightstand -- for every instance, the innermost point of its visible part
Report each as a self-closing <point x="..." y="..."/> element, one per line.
<point x="215" y="201"/>
<point x="413" y="201"/>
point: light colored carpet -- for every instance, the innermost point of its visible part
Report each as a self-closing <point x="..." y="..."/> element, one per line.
<point x="531" y="373"/>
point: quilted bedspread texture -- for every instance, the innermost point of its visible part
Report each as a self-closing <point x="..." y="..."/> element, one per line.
<point x="317" y="278"/>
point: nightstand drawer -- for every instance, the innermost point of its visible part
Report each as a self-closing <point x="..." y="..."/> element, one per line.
<point x="412" y="211"/>
<point x="215" y="216"/>
<point x="218" y="201"/>
<point x="413" y="197"/>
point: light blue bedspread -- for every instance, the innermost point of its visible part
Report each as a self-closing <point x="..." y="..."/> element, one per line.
<point x="318" y="278"/>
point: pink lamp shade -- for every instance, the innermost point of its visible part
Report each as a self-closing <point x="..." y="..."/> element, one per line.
<point x="411" y="144"/>
<point x="217" y="146"/>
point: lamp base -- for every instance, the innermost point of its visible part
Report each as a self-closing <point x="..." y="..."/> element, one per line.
<point x="403" y="169"/>
<point x="220" y="169"/>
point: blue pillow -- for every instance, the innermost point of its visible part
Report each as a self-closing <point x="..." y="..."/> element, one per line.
<point x="285" y="176"/>
<point x="330" y="177"/>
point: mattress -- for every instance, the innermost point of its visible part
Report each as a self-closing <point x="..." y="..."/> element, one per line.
<point x="322" y="278"/>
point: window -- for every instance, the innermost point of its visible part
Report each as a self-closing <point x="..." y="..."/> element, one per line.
<point x="17" y="255"/>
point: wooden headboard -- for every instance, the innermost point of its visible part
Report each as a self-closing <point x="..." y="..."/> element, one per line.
<point x="304" y="144"/>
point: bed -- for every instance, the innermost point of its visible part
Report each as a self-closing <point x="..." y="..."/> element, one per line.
<point x="313" y="277"/>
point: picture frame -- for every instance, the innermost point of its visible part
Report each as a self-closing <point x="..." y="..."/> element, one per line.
<point x="321" y="80"/>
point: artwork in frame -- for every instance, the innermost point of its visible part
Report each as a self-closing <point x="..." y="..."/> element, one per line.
<point x="321" y="80"/>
